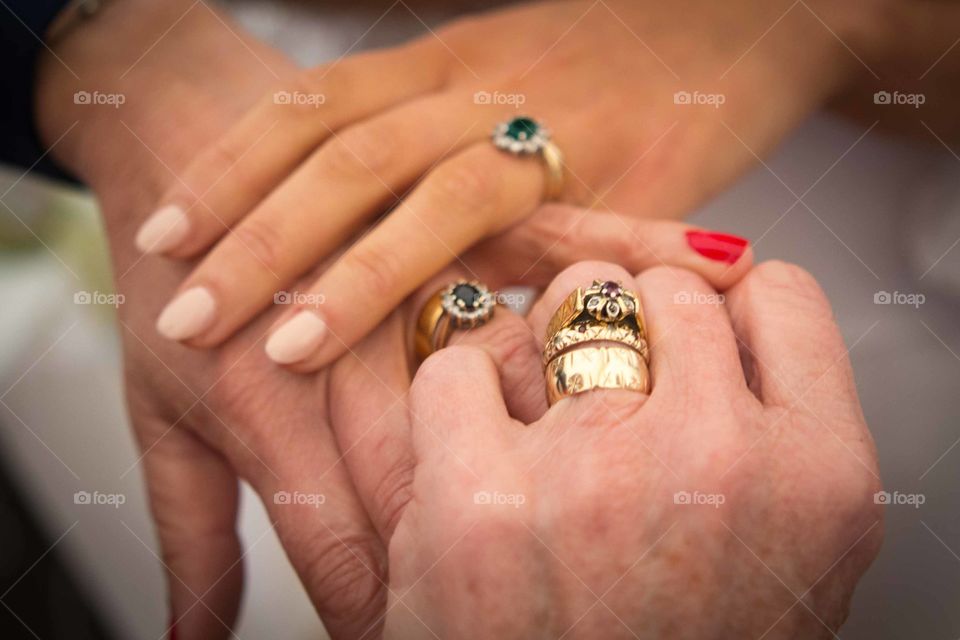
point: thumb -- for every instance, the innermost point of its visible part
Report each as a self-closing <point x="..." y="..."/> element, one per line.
<point x="457" y="405"/>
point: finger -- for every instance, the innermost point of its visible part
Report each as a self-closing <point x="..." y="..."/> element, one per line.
<point x="193" y="498"/>
<point x="582" y="274"/>
<point x="506" y="338"/>
<point x="358" y="172"/>
<point x="300" y="475"/>
<point x="457" y="406"/>
<point x="465" y="198"/>
<point x="515" y="352"/>
<point x="693" y="350"/>
<point x="558" y="235"/>
<point x="792" y="344"/>
<point x="373" y="427"/>
<point x="230" y="178"/>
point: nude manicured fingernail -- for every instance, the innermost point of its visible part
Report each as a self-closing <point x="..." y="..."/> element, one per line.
<point x="296" y="338"/>
<point x="187" y="315"/>
<point x="163" y="230"/>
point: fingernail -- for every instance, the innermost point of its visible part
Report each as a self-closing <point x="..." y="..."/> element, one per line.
<point x="163" y="230"/>
<point x="297" y="338"/>
<point x="721" y="247"/>
<point x="187" y="315"/>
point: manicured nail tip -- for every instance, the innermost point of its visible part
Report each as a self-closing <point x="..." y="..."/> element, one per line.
<point x="297" y="338"/>
<point x="721" y="247"/>
<point x="187" y="315"/>
<point x="163" y="230"/>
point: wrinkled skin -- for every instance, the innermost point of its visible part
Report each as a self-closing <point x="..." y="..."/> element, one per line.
<point x="597" y="545"/>
<point x="207" y="419"/>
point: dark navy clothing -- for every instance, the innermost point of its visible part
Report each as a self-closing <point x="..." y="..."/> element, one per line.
<point x="23" y="24"/>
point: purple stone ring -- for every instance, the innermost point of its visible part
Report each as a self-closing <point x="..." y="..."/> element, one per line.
<point x="609" y="302"/>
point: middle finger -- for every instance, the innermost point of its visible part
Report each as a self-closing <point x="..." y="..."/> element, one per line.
<point x="357" y="172"/>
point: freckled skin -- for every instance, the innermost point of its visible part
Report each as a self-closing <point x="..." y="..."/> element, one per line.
<point x="793" y="512"/>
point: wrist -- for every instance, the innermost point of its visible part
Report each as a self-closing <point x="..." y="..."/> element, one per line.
<point x="120" y="92"/>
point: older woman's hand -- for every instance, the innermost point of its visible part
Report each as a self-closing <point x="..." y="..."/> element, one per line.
<point x="655" y="106"/>
<point x="735" y="501"/>
<point x="204" y="420"/>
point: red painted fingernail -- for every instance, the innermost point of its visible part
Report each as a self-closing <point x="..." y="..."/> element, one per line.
<point x="721" y="247"/>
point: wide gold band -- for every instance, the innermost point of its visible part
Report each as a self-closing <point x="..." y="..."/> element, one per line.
<point x="597" y="340"/>
<point x="596" y="367"/>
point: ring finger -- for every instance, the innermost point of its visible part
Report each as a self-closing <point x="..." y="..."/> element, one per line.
<point x="466" y="198"/>
<point x="692" y="345"/>
<point x="357" y="172"/>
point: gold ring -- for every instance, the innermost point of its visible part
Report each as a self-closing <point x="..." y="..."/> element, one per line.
<point x="596" y="367"/>
<point x="597" y="340"/>
<point x="525" y="136"/>
<point x="460" y="305"/>
<point x="569" y="337"/>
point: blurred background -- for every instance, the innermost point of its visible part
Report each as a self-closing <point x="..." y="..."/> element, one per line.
<point x="876" y="219"/>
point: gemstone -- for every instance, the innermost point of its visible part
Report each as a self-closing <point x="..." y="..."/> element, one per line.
<point x="611" y="289"/>
<point x="466" y="296"/>
<point x="522" y="128"/>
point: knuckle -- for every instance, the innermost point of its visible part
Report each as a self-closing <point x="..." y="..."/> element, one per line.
<point x="393" y="492"/>
<point x="222" y="166"/>
<point x="513" y="343"/>
<point x="224" y="153"/>
<point x="262" y="241"/>
<point x="788" y="280"/>
<point x="466" y="186"/>
<point x="362" y="151"/>
<point x="345" y="576"/>
<point x="434" y="372"/>
<point x="379" y="271"/>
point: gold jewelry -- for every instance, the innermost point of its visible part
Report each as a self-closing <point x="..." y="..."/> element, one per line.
<point x="602" y="303"/>
<point x="525" y="136"/>
<point x="460" y="305"/>
<point x="597" y="340"/>
<point x="569" y="337"/>
<point x="599" y="367"/>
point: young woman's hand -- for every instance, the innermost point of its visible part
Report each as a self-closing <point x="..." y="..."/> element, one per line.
<point x="655" y="107"/>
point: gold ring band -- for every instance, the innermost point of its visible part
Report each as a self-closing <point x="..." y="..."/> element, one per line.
<point x="460" y="305"/>
<point x="596" y="367"/>
<point x="569" y="337"/>
<point x="597" y="340"/>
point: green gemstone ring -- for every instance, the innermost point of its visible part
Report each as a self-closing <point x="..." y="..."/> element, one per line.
<point x="525" y="136"/>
